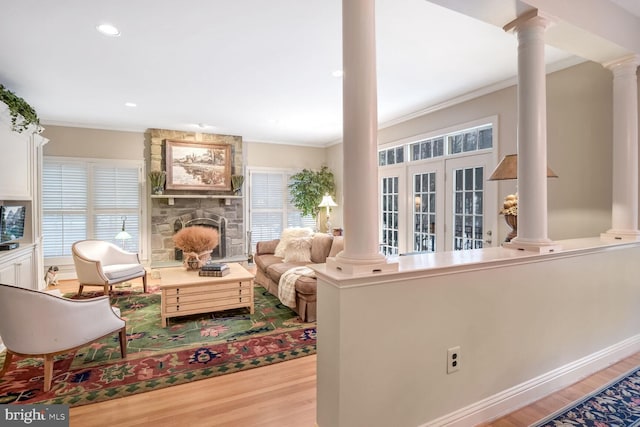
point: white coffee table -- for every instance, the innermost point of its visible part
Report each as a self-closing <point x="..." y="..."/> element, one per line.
<point x="185" y="292"/>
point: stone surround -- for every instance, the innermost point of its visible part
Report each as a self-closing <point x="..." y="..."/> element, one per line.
<point x="163" y="215"/>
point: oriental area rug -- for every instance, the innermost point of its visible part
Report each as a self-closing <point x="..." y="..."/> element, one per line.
<point x="617" y="404"/>
<point x="190" y="348"/>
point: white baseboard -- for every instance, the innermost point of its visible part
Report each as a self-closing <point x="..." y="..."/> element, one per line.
<point x="525" y="393"/>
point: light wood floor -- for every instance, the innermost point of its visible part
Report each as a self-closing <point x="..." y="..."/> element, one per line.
<point x="280" y="395"/>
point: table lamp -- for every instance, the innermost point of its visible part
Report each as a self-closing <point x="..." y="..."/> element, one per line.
<point x="327" y="202"/>
<point x="508" y="169"/>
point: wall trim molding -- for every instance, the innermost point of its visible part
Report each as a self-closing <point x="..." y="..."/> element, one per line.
<point x="527" y="392"/>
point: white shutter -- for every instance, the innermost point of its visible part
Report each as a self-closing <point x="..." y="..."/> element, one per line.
<point x="64" y="206"/>
<point x="116" y="196"/>
<point x="271" y="208"/>
<point x="267" y="196"/>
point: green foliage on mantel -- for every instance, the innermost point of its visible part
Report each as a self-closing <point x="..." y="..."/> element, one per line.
<point x="22" y="114"/>
<point x="307" y="188"/>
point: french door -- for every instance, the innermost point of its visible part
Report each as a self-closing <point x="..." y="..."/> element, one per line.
<point x="439" y="205"/>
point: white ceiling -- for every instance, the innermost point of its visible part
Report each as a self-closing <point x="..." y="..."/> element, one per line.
<point x="255" y="68"/>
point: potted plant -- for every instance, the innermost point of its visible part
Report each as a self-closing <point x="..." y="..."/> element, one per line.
<point x="22" y="114"/>
<point x="196" y="243"/>
<point x="157" y="179"/>
<point x="308" y="187"/>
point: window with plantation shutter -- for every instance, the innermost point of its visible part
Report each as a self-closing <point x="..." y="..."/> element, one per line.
<point x="270" y="208"/>
<point x="64" y="206"/>
<point x="89" y="199"/>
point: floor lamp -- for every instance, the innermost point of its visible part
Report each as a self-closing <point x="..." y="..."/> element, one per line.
<point x="123" y="235"/>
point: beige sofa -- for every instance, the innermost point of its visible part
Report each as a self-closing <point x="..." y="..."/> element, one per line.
<point x="270" y="267"/>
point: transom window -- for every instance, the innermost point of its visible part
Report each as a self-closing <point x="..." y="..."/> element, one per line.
<point x="464" y="141"/>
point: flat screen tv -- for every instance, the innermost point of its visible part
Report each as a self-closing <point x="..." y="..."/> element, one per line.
<point x="11" y="223"/>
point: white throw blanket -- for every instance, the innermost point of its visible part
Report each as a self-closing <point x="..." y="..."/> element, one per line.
<point x="287" y="284"/>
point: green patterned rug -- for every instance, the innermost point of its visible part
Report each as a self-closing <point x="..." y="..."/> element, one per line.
<point x="188" y="349"/>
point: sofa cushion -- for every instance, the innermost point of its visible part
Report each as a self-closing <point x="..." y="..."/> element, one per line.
<point x="291" y="233"/>
<point x="264" y="261"/>
<point x="274" y="271"/>
<point x="267" y="247"/>
<point x="304" y="285"/>
<point x="320" y="247"/>
<point x="307" y="285"/>
<point x="298" y="250"/>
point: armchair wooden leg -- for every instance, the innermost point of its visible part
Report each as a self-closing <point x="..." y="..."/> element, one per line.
<point x="48" y="371"/>
<point x="123" y="342"/>
<point x="7" y="362"/>
<point x="144" y="283"/>
<point x="80" y="289"/>
<point x="106" y="290"/>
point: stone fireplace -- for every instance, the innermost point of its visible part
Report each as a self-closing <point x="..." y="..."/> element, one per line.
<point x="180" y="208"/>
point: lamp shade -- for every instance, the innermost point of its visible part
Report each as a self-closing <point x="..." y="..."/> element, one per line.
<point x="123" y="235"/>
<point x="508" y="169"/>
<point x="327" y="201"/>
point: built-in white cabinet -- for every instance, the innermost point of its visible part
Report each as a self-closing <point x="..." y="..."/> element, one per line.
<point x="20" y="176"/>
<point x="17" y="160"/>
<point x="17" y="267"/>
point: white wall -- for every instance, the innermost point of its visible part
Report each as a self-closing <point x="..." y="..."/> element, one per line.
<point x="382" y="341"/>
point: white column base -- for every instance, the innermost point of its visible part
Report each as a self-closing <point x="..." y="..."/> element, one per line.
<point x="538" y="247"/>
<point x="356" y="267"/>
<point x="621" y="235"/>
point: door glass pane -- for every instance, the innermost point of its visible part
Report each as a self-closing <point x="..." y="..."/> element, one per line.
<point x="389" y="209"/>
<point x="468" y="214"/>
<point x="424" y="237"/>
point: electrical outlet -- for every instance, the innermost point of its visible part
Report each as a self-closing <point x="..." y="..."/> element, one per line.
<point x="453" y="359"/>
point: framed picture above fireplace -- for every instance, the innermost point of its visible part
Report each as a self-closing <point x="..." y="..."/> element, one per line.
<point x="198" y="166"/>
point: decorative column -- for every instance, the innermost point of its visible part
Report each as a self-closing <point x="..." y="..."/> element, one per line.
<point x="624" y="209"/>
<point x="532" y="135"/>
<point x="361" y="254"/>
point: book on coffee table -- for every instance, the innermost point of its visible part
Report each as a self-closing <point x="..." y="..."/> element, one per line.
<point x="215" y="266"/>
<point x="214" y="273"/>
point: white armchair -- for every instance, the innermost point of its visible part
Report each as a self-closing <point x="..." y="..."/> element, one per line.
<point x="100" y="263"/>
<point x="34" y="323"/>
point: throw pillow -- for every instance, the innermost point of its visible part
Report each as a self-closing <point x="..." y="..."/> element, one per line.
<point x="291" y="233"/>
<point x="298" y="250"/>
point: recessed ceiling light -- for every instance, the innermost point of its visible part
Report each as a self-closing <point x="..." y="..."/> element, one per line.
<point x="130" y="104"/>
<point x="108" y="30"/>
<point x="337" y="73"/>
